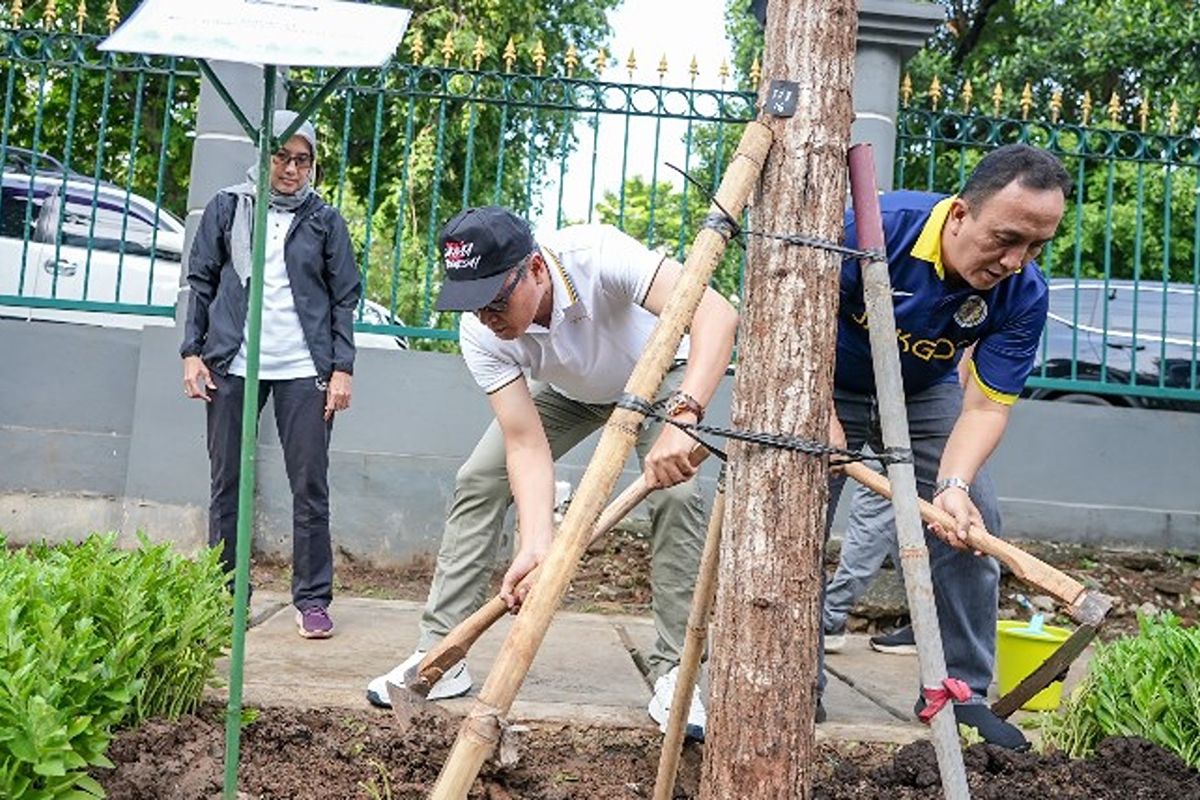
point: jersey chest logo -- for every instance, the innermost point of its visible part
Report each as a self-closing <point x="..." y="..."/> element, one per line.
<point x="972" y="312"/>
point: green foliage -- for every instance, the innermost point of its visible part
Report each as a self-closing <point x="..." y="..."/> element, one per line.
<point x="92" y="638"/>
<point x="1135" y="48"/>
<point x="1146" y="685"/>
<point x="415" y="143"/>
<point x="665" y="218"/>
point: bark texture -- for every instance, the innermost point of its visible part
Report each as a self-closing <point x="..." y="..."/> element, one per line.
<point x="763" y="666"/>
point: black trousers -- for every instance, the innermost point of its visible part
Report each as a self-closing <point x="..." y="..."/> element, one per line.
<point x="304" y="434"/>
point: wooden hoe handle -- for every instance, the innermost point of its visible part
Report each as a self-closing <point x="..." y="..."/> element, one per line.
<point x="454" y="647"/>
<point x="1031" y="570"/>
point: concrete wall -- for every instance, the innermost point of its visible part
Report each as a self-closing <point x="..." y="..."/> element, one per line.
<point x="96" y="435"/>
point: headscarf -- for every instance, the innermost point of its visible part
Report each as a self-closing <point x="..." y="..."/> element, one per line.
<point x="243" y="215"/>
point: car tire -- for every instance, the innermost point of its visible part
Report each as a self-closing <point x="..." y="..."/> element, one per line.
<point x="1081" y="399"/>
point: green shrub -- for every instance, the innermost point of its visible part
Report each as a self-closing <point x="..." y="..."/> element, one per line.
<point x="92" y="637"/>
<point x="1146" y="685"/>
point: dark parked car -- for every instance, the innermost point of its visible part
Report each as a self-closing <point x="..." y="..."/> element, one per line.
<point x="1092" y="324"/>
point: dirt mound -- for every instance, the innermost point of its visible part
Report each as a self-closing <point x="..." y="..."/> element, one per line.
<point x="1121" y="769"/>
<point x="358" y="754"/>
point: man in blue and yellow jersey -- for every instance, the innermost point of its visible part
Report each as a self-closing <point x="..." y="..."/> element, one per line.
<point x="963" y="272"/>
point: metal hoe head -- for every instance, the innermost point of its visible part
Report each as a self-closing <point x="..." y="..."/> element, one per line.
<point x="1090" y="610"/>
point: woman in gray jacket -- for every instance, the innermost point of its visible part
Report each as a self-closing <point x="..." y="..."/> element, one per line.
<point x="310" y="290"/>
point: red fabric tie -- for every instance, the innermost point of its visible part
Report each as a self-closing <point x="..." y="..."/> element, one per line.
<point x="936" y="698"/>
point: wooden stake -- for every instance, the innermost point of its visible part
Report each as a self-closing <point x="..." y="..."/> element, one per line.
<point x="480" y="731"/>
<point x="693" y="650"/>
<point x="893" y="419"/>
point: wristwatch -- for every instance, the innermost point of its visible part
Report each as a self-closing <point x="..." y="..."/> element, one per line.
<point x="678" y="402"/>
<point x="950" y="483"/>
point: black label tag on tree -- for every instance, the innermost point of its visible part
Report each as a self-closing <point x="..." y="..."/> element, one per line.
<point x="781" y="98"/>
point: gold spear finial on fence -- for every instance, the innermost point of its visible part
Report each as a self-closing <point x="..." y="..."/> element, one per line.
<point x="601" y="60"/>
<point x="755" y="72"/>
<point x="510" y="55"/>
<point x="723" y="71"/>
<point x="1026" y="100"/>
<point x="997" y="98"/>
<point x="1086" y="107"/>
<point x="1173" y="117"/>
<point x="1114" y="108"/>
<point x="631" y="64"/>
<point x="968" y="92"/>
<point x="112" y="16"/>
<point x="447" y="48"/>
<point x="16" y="12"/>
<point x="662" y="67"/>
<point x="571" y="59"/>
<point x="906" y="90"/>
<point x="80" y="15"/>
<point x="935" y="92"/>
<point x="50" y="14"/>
<point x="1056" y="103"/>
<point x="1144" y="110"/>
<point x="539" y="56"/>
<point x="416" y="49"/>
<point x="478" y="51"/>
<point x="694" y="68"/>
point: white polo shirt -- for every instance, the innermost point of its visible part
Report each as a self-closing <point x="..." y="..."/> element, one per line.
<point x="598" y="328"/>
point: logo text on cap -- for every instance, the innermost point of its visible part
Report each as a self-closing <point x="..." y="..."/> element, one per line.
<point x="458" y="256"/>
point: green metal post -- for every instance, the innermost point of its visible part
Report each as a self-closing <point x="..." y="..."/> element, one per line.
<point x="245" y="527"/>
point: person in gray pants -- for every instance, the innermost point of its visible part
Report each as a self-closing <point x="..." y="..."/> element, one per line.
<point x="963" y="273"/>
<point x="574" y="312"/>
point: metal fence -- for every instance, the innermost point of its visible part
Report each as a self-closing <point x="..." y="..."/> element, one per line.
<point x="96" y="150"/>
<point x="1125" y="267"/>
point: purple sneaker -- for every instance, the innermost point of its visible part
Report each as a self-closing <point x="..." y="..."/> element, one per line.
<point x="314" y="623"/>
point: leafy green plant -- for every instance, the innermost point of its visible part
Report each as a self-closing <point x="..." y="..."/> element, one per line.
<point x="93" y="637"/>
<point x="1146" y="685"/>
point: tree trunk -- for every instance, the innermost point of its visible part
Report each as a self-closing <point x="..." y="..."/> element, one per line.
<point x="763" y="667"/>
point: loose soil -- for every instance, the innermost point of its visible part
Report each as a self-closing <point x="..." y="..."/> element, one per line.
<point x="358" y="754"/>
<point x="614" y="578"/>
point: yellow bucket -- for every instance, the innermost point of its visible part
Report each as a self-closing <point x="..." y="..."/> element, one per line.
<point x="1019" y="651"/>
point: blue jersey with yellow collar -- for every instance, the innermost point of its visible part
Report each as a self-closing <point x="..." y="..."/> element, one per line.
<point x="936" y="318"/>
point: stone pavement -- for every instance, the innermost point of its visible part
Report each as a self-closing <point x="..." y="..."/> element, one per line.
<point x="583" y="673"/>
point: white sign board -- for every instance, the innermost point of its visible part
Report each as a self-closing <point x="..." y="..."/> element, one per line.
<point x="315" y="33"/>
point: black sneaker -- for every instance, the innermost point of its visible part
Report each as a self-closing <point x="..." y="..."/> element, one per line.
<point x="992" y="729"/>
<point x="820" y="712"/>
<point x="898" y="643"/>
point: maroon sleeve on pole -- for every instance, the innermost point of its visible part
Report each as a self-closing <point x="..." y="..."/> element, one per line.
<point x="865" y="198"/>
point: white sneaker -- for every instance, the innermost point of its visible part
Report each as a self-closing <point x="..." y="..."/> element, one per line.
<point x="660" y="706"/>
<point x="835" y="641"/>
<point x="455" y="682"/>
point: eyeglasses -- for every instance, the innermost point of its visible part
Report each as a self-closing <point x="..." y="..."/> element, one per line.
<point x="500" y="303"/>
<point x="282" y="158"/>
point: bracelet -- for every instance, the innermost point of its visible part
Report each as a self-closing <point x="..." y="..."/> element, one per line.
<point x="950" y="483"/>
<point x="678" y="402"/>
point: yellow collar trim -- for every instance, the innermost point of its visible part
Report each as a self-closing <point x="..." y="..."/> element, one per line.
<point x="929" y="244"/>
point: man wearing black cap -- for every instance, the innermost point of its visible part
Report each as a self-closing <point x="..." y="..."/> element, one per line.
<point x="573" y="313"/>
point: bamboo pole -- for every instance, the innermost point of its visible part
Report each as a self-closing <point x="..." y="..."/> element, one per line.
<point x="893" y="418"/>
<point x="693" y="649"/>
<point x="480" y="731"/>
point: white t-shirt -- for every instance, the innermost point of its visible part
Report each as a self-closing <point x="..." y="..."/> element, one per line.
<point x="283" y="352"/>
<point x="598" y="328"/>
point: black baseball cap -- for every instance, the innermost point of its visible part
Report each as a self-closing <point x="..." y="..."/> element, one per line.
<point x="479" y="246"/>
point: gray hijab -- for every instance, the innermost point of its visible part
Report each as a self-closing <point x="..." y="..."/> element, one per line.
<point x="243" y="215"/>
